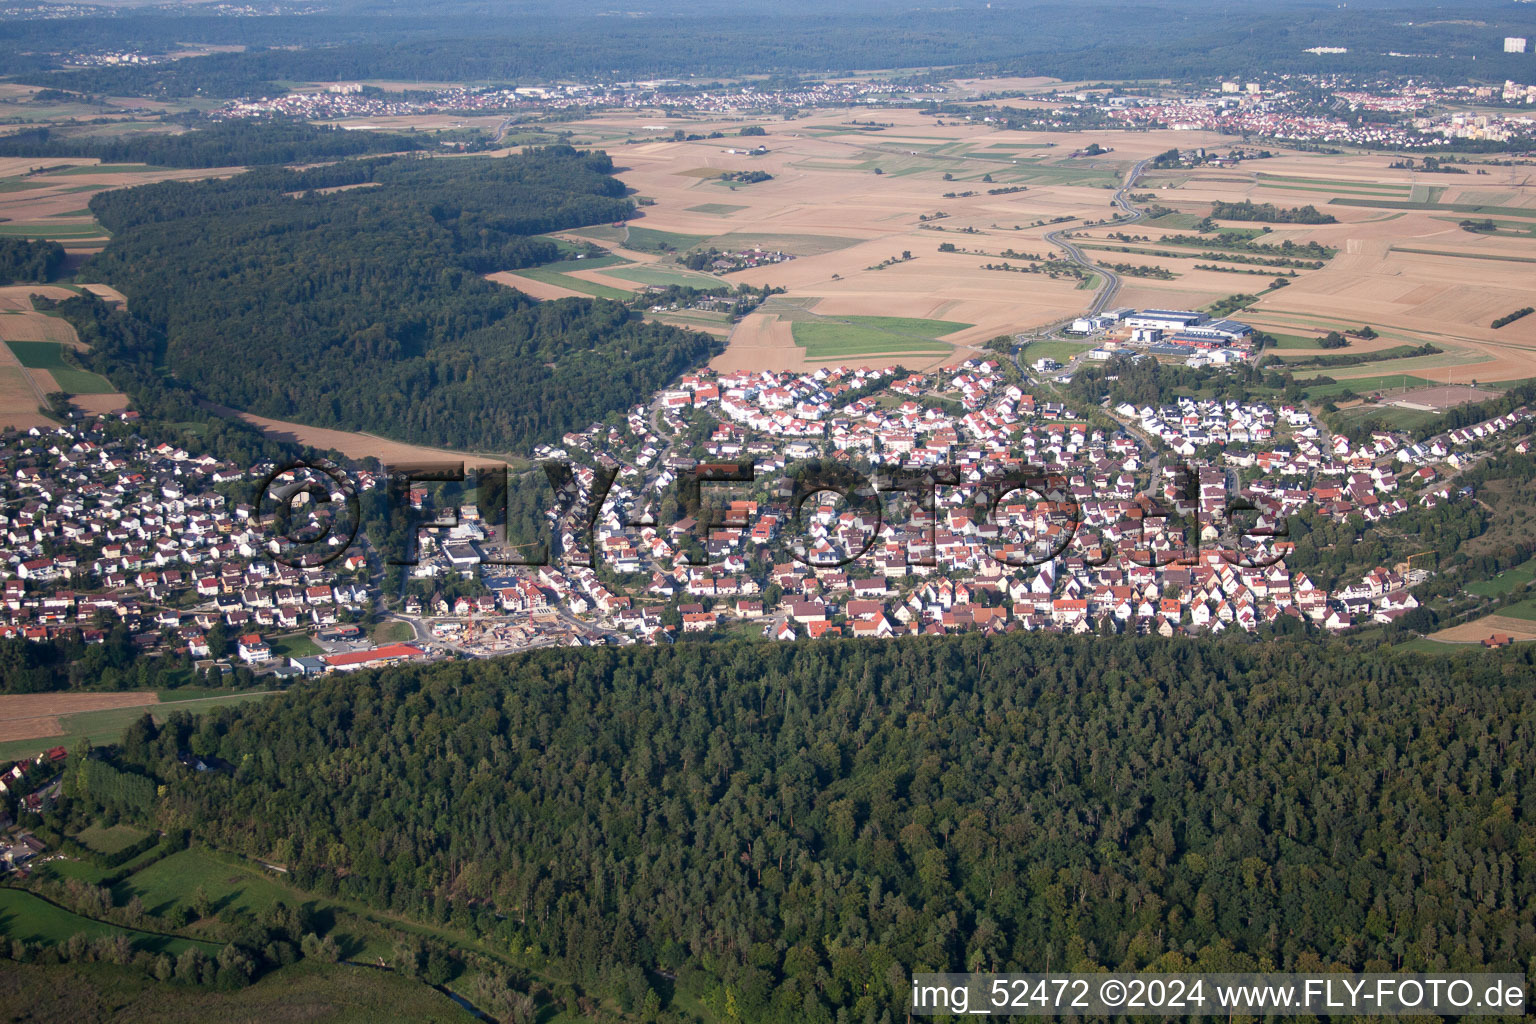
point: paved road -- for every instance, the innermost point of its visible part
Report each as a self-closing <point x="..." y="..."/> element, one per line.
<point x="1111" y="285"/>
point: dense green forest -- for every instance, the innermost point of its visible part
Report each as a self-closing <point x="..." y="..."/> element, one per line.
<point x="22" y="259"/>
<point x="223" y="144"/>
<point x="790" y="830"/>
<point x="365" y="308"/>
<point x="1270" y="213"/>
<point x="1091" y="40"/>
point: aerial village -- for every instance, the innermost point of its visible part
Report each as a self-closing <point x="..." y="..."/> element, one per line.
<point x="1131" y="534"/>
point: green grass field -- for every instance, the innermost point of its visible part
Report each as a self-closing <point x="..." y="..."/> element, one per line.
<point x="665" y="276"/>
<point x="1293" y="342"/>
<point x="1053" y="174"/>
<point x="1520" y="228"/>
<point x="49" y="355"/>
<point x="584" y="263"/>
<point x="649" y="239"/>
<point x="392" y="631"/>
<point x="226" y="881"/>
<point x="1175" y="220"/>
<point x="1522" y="610"/>
<point x="715" y="209"/>
<point x="110" y="838"/>
<point x="236" y="887"/>
<point x="81" y="870"/>
<point x="871" y="335"/>
<point x="1326" y="190"/>
<point x="101" y="169"/>
<point x="1424" y="645"/>
<point x="54" y="232"/>
<point x="307" y="992"/>
<point x="1505" y="582"/>
<point x="1366" y="385"/>
<point x="32" y="919"/>
<point x="1395" y="419"/>
<point x="296" y="645"/>
<point x="1061" y="351"/>
<point x="691" y="318"/>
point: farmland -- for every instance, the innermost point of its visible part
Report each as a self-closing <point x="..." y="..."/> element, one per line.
<point x="31" y="723"/>
<point x="871" y="335"/>
<point x="849" y="203"/>
<point x="48" y="356"/>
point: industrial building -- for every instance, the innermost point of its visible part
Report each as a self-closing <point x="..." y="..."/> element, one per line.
<point x="1164" y="319"/>
<point x="1220" y="330"/>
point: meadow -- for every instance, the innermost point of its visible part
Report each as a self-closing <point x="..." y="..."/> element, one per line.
<point x="871" y="335"/>
<point x="33" y="919"/>
<point x="306" y="992"/>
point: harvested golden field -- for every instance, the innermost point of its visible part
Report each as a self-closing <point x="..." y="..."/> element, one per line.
<point x="20" y="404"/>
<point x="17" y="298"/>
<point x="971" y="86"/>
<point x="354" y="445"/>
<point x="850" y="228"/>
<point x="528" y="286"/>
<point x="1412" y="273"/>
<point x="22" y="398"/>
<point x="25" y="716"/>
<point x="867" y="243"/>
<point x="1481" y="629"/>
<point x="426" y="122"/>
<point x="32" y="326"/>
<point x="761" y="342"/>
<point x="48" y="198"/>
<point x="109" y="403"/>
<point x="106" y="293"/>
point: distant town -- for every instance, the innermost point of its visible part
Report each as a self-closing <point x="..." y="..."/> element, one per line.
<point x="1281" y="107"/>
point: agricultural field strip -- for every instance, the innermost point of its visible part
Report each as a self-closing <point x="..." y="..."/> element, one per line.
<point x="1464" y="255"/>
<point x="1396" y="204"/>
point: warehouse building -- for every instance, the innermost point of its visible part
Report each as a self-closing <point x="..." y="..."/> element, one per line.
<point x="1164" y="319"/>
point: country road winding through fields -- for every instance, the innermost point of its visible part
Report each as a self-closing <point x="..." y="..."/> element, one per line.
<point x="1111" y="286"/>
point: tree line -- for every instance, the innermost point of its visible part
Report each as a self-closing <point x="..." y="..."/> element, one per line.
<point x="1270" y="213"/>
<point x="222" y="144"/>
<point x="1067" y="41"/>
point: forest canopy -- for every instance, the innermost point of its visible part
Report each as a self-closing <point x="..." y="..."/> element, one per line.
<point x="1087" y="40"/>
<point x="23" y="259"/>
<point x="794" y="828"/>
<point x="225" y="144"/>
<point x="365" y="308"/>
